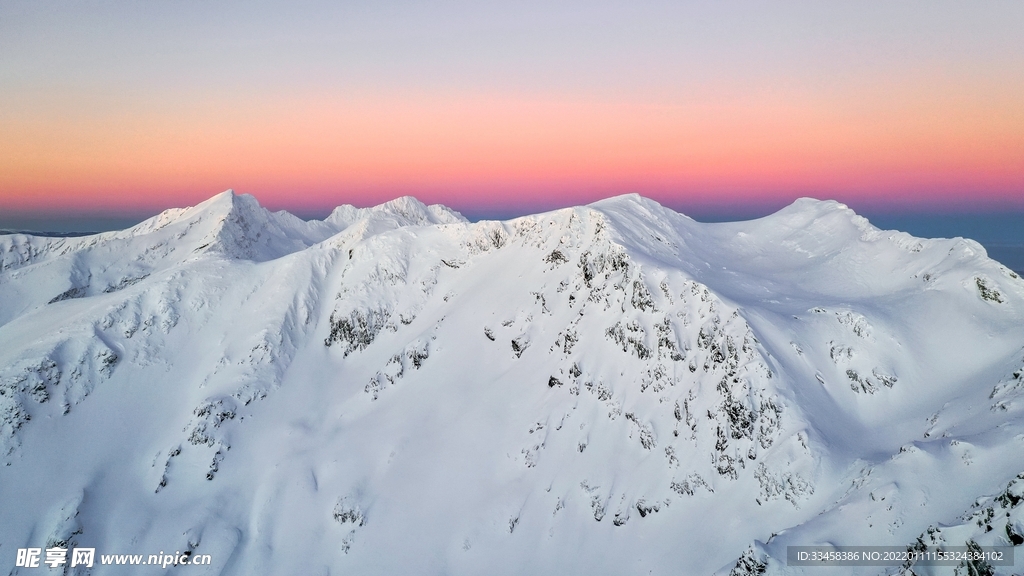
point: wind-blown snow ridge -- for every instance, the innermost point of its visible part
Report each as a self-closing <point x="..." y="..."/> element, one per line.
<point x="609" y="389"/>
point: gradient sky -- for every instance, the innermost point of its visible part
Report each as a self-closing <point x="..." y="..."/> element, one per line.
<point x="122" y="107"/>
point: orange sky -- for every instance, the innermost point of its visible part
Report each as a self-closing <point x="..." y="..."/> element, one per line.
<point x="371" y="148"/>
<point x="891" y="128"/>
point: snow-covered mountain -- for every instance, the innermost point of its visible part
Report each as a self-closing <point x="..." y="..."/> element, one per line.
<point x="609" y="389"/>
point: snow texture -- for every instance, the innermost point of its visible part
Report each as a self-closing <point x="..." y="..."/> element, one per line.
<point x="608" y="389"/>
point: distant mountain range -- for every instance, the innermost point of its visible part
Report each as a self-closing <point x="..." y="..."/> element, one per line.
<point x="607" y="389"/>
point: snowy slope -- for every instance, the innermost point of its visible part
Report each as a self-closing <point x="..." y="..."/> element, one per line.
<point x="605" y="389"/>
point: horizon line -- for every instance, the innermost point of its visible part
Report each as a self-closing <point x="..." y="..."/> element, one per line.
<point x="78" y="221"/>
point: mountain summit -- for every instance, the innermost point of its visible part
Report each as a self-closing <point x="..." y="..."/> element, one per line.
<point x="607" y="389"/>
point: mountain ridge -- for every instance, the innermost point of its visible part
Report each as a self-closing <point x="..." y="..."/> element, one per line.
<point x="590" y="379"/>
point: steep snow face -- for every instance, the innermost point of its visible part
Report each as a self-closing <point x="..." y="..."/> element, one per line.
<point x="605" y="389"/>
<point x="236" y="227"/>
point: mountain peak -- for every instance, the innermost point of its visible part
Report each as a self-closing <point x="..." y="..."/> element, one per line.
<point x="806" y="221"/>
<point x="237" y="226"/>
<point x="227" y="196"/>
<point x="230" y="201"/>
<point x="402" y="211"/>
<point x="810" y="209"/>
<point x="629" y="201"/>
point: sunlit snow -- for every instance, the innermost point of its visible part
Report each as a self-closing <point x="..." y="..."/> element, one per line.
<point x="608" y="389"/>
